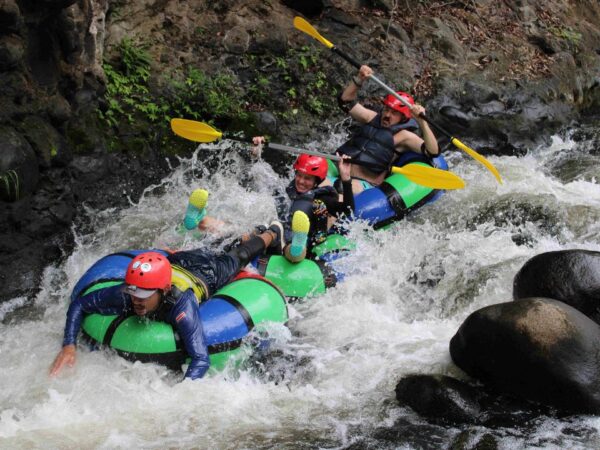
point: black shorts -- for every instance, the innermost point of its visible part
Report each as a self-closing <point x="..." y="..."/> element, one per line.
<point x="215" y="270"/>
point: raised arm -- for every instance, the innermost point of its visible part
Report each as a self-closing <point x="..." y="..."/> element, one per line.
<point x="427" y="145"/>
<point x="348" y="98"/>
<point x="344" y="167"/>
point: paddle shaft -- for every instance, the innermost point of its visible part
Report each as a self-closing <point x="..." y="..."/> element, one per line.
<point x="424" y="176"/>
<point x="297" y="151"/>
<point x="390" y="91"/>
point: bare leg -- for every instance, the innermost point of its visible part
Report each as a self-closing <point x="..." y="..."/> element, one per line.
<point x="212" y="224"/>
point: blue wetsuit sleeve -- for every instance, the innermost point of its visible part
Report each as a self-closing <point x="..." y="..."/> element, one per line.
<point x="107" y="301"/>
<point x="185" y="318"/>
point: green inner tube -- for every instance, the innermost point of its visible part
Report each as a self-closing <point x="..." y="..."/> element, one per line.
<point x="139" y="339"/>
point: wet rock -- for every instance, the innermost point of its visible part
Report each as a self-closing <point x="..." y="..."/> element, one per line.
<point x="309" y="8"/>
<point x="89" y="168"/>
<point x="84" y="134"/>
<point x="58" y="109"/>
<point x="266" y="123"/>
<point x="24" y="271"/>
<point x="439" y="398"/>
<point x="19" y="172"/>
<point x="571" y="276"/>
<point x="236" y="40"/>
<point x="11" y="51"/>
<point x="46" y="141"/>
<point x="10" y="17"/>
<point x="520" y="213"/>
<point x="406" y="434"/>
<point x="474" y="440"/>
<point x="538" y="349"/>
<point x="455" y="115"/>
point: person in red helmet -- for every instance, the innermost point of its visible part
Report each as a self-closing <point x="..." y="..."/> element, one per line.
<point x="147" y="291"/>
<point x="383" y="135"/>
<point x="314" y="208"/>
<point x="310" y="208"/>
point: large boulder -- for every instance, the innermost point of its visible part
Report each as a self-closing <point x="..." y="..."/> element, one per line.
<point x="571" y="276"/>
<point x="439" y="397"/>
<point x="445" y="400"/>
<point x="537" y="348"/>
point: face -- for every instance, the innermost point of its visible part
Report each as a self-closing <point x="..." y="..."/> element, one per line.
<point x="391" y="117"/>
<point x="304" y="183"/>
<point x="144" y="306"/>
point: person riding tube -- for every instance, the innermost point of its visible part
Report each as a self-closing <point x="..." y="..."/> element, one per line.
<point x="383" y="135"/>
<point x="309" y="208"/>
<point x="147" y="292"/>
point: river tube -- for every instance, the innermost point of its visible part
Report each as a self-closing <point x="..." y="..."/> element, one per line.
<point x="245" y="304"/>
<point x="397" y="196"/>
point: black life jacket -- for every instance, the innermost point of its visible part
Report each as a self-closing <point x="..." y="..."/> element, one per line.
<point x="168" y="301"/>
<point x="313" y="205"/>
<point x="373" y="144"/>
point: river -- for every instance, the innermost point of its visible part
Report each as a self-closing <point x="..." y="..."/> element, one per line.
<point x="330" y="382"/>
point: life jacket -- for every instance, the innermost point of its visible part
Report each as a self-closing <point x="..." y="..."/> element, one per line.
<point x="315" y="208"/>
<point x="184" y="279"/>
<point x="162" y="312"/>
<point x="373" y="144"/>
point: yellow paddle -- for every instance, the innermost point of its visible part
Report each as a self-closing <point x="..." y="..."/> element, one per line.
<point x="307" y="28"/>
<point x="422" y="175"/>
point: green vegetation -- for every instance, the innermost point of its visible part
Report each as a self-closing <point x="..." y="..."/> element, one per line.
<point x="127" y="88"/>
<point x="193" y="94"/>
<point x="140" y="102"/>
<point x="305" y="85"/>
<point x="10" y="186"/>
<point x="572" y="37"/>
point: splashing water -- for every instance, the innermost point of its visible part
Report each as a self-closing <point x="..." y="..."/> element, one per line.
<point x="332" y="378"/>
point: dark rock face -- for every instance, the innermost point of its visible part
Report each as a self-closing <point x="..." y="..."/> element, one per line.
<point x="571" y="276"/>
<point x="18" y="166"/>
<point x="537" y="348"/>
<point x="439" y="397"/>
<point x="309" y="8"/>
<point x="445" y="400"/>
<point x="35" y="230"/>
<point x="52" y="81"/>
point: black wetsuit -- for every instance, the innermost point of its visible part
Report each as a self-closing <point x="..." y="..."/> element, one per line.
<point x="317" y="204"/>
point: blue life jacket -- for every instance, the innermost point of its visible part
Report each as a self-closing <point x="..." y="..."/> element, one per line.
<point x="374" y="145"/>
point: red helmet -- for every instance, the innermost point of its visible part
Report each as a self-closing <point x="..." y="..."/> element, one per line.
<point x="396" y="104"/>
<point x="146" y="273"/>
<point x="312" y="165"/>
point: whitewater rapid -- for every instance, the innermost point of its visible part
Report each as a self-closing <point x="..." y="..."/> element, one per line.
<point x="331" y="378"/>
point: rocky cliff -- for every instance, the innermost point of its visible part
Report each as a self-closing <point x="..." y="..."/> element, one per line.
<point x="88" y="87"/>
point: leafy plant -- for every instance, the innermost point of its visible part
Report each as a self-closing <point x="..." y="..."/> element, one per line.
<point x="193" y="94"/>
<point x="127" y="89"/>
<point x="567" y="33"/>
